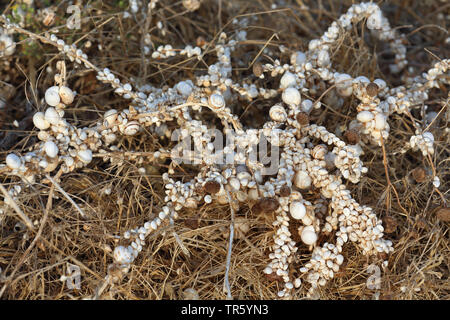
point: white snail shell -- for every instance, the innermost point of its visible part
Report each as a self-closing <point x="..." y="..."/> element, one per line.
<point x="298" y="58"/>
<point x="287" y="80"/>
<point x="122" y="255"/>
<point x="66" y="95"/>
<point x="297" y="210"/>
<point x="243" y="175"/>
<point x="319" y="152"/>
<point x="52" y="116"/>
<point x="110" y="116"/>
<point x="85" y="155"/>
<point x="131" y="128"/>
<point x="40" y="122"/>
<point x="302" y="180"/>
<point x="184" y="88"/>
<point x="291" y="96"/>
<point x="380" y="121"/>
<point x="52" y="96"/>
<point x="308" y="235"/>
<point x="216" y="101"/>
<point x="277" y="113"/>
<point x="43" y="135"/>
<point x="13" y="161"/>
<point x="343" y="83"/>
<point x="428" y="135"/>
<point x="364" y="116"/>
<point x="69" y="161"/>
<point x="51" y="149"/>
<point x="110" y="138"/>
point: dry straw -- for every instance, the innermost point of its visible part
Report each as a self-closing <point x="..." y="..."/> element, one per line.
<point x="284" y="231"/>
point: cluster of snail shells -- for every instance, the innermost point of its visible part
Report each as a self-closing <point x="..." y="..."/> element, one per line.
<point x="56" y="95"/>
<point x="57" y="98"/>
<point x="298" y="211"/>
<point x="235" y="185"/>
<point x="52" y="116"/>
<point x="375" y="123"/>
<point x="125" y="126"/>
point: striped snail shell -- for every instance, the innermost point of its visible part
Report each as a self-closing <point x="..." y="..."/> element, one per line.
<point x="216" y="101"/>
<point x="131" y="128"/>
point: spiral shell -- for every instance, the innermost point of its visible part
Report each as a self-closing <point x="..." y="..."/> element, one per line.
<point x="66" y="95"/>
<point x="184" y="88"/>
<point x="319" y="151"/>
<point x="13" y="161"/>
<point x="302" y="180"/>
<point x="110" y="116"/>
<point x="308" y="235"/>
<point x="43" y="135"/>
<point x="287" y="80"/>
<point x="131" y="128"/>
<point x="51" y="149"/>
<point x="277" y="113"/>
<point x="85" y="155"/>
<point x="297" y="210"/>
<point x="52" y="116"/>
<point x="364" y="116"/>
<point x="216" y="101"/>
<point x="122" y="255"/>
<point x="40" y="122"/>
<point x="291" y="96"/>
<point x="52" y="96"/>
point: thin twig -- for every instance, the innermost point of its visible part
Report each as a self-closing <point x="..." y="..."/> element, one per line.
<point x="66" y="195"/>
<point x="390" y="185"/>
<point x="36" y="238"/>
<point x="19" y="211"/>
<point x="226" y="283"/>
<point x="178" y="240"/>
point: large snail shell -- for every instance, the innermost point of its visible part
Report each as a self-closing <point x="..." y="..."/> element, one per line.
<point x="110" y="116"/>
<point x="319" y="152"/>
<point x="277" y="113"/>
<point x="131" y="128"/>
<point x="216" y="101"/>
<point x="66" y="95"/>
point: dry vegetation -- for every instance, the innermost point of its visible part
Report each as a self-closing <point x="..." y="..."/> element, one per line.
<point x="415" y="220"/>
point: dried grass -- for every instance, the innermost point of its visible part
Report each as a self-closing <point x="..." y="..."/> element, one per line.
<point x="419" y="266"/>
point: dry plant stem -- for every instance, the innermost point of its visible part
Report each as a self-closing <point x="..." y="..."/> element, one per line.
<point x="19" y="211"/>
<point x="179" y="241"/>
<point x="36" y="238"/>
<point x="438" y="115"/>
<point x="99" y="290"/>
<point x="66" y="195"/>
<point x="434" y="175"/>
<point x="390" y="185"/>
<point x="48" y="41"/>
<point x="226" y="283"/>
